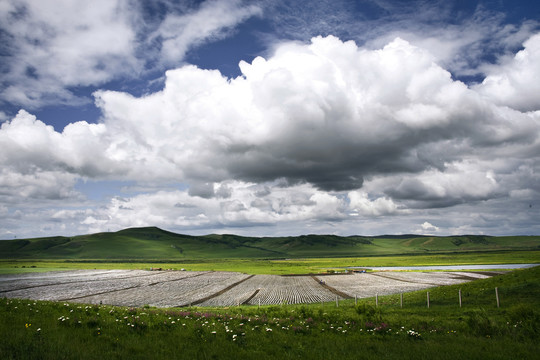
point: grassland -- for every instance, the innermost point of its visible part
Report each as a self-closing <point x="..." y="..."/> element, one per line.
<point x="150" y="244"/>
<point x="276" y="266"/>
<point x="478" y="330"/>
<point x="143" y="248"/>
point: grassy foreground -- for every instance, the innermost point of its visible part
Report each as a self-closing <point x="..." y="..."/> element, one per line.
<point x="478" y="330"/>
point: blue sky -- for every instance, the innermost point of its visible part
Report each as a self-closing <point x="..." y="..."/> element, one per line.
<point x="270" y="117"/>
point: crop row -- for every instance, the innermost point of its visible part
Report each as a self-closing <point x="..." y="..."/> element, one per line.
<point x="23" y="281"/>
<point x="182" y="292"/>
<point x="182" y="288"/>
<point x="384" y="283"/>
<point x="272" y="289"/>
<point x="434" y="278"/>
<point x="72" y="288"/>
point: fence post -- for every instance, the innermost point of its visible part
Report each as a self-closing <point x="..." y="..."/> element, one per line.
<point x="337" y="301"/>
<point x="428" y="299"/>
<point x="401" y="300"/>
<point x="376" y="300"/>
<point x="459" y="297"/>
<point x="497" y="296"/>
<point x="259" y="303"/>
<point x="355" y="301"/>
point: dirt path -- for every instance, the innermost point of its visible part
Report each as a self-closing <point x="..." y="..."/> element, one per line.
<point x="332" y="289"/>
<point x="200" y="301"/>
<point x="402" y="280"/>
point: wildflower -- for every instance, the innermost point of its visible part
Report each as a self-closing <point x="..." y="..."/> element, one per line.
<point x="27" y="325"/>
<point x="413" y="334"/>
<point x="268" y="329"/>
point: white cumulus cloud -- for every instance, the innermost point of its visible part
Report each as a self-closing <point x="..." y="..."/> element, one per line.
<point x="313" y="131"/>
<point x="516" y="82"/>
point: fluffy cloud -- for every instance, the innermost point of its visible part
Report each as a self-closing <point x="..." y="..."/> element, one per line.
<point x="328" y="113"/>
<point x="29" y="145"/>
<point x="459" y="182"/>
<point x="428" y="228"/>
<point x="362" y="205"/>
<point x="516" y="82"/>
<point x="43" y="185"/>
<point x="314" y="132"/>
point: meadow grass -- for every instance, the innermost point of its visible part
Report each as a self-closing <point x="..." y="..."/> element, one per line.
<point x="273" y="266"/>
<point x="477" y="330"/>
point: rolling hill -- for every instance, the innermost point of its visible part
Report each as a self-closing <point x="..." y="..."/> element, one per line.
<point x="157" y="244"/>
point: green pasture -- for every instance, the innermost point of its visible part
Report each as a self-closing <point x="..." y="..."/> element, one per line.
<point x="276" y="266"/>
<point x="366" y="330"/>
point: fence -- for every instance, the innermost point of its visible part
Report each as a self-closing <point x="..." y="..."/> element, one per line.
<point x="460" y="299"/>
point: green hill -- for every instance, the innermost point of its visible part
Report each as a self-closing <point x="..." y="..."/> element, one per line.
<point x="152" y="243"/>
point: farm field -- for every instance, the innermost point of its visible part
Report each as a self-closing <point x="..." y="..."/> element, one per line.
<point x="210" y="288"/>
<point x="35" y="329"/>
<point x="394" y="282"/>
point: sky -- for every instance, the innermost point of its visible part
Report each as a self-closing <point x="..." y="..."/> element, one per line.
<point x="270" y="117"/>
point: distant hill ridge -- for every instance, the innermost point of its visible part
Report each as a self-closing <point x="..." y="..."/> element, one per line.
<point x="153" y="243"/>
